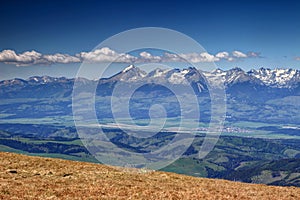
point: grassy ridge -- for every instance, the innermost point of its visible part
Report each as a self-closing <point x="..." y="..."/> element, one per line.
<point x="26" y="177"/>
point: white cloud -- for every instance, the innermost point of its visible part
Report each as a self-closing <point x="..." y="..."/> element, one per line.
<point x="34" y="58"/>
<point x="147" y="57"/>
<point x="199" y="57"/>
<point x="169" y="57"/>
<point x="26" y="58"/>
<point x="239" y="54"/>
<point x="253" y="54"/>
<point x="222" y="55"/>
<point x="106" y="54"/>
<point x="61" y="58"/>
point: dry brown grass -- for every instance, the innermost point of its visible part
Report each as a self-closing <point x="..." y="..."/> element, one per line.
<point x="26" y="177"/>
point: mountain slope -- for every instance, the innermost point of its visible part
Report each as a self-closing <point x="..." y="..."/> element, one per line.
<point x="276" y="78"/>
<point x="284" y="172"/>
<point x="248" y="96"/>
<point x="262" y="84"/>
<point x="25" y="177"/>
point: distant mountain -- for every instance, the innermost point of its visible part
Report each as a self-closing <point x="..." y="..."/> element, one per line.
<point x="282" y="78"/>
<point x="262" y="83"/>
<point x="257" y="95"/>
<point x="276" y="78"/>
<point x="129" y="74"/>
<point x="256" y="85"/>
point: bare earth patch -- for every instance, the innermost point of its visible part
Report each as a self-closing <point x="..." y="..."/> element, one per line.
<point x="27" y="177"/>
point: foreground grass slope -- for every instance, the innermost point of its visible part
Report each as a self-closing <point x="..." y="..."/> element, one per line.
<point x="26" y="177"/>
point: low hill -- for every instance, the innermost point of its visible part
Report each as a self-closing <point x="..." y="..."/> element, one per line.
<point x="27" y="177"/>
<point x="284" y="172"/>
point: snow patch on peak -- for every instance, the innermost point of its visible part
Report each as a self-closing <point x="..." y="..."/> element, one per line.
<point x="178" y="76"/>
<point x="128" y="68"/>
<point x="217" y="71"/>
<point x="185" y="71"/>
<point x="282" y="78"/>
<point x="159" y="72"/>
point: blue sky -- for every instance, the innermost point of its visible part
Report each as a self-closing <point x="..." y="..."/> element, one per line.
<point x="271" y="29"/>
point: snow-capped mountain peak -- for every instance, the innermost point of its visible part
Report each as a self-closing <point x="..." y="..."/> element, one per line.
<point x="217" y="71"/>
<point x="128" y="68"/>
<point x="158" y="73"/>
<point x="275" y="78"/>
<point x="129" y="74"/>
<point x="282" y="78"/>
<point x="178" y="76"/>
<point x="41" y="79"/>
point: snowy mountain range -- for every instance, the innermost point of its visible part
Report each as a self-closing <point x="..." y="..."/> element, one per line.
<point x="256" y="95"/>
<point x="274" y="78"/>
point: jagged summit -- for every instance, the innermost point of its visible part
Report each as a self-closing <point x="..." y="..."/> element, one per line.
<point x="130" y="67"/>
<point x="281" y="78"/>
<point x="158" y="72"/>
<point x="218" y="70"/>
<point x="276" y="78"/>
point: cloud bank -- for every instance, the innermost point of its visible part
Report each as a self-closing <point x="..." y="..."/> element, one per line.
<point x="106" y="54"/>
<point x="35" y="58"/>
